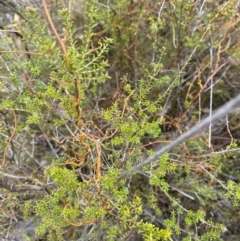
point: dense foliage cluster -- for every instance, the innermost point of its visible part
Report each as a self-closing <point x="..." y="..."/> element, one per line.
<point x="90" y="89"/>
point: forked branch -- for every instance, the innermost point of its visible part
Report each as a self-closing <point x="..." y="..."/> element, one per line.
<point x="223" y="110"/>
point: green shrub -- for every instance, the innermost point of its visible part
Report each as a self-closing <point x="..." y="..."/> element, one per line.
<point x="88" y="99"/>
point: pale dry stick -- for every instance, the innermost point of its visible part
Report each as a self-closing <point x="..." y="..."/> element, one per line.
<point x="70" y="5"/>
<point x="229" y="132"/>
<point x="174" y="37"/>
<point x="9" y="141"/>
<point x="183" y="193"/>
<point x="222" y="152"/>
<point x="19" y="52"/>
<point x="211" y="97"/>
<point x="201" y="8"/>
<point x="213" y="177"/>
<point x="155" y="37"/>
<point x="13" y="176"/>
<point x="223" y="110"/>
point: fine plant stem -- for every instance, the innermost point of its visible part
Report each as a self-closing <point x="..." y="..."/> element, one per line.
<point x="223" y="110"/>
